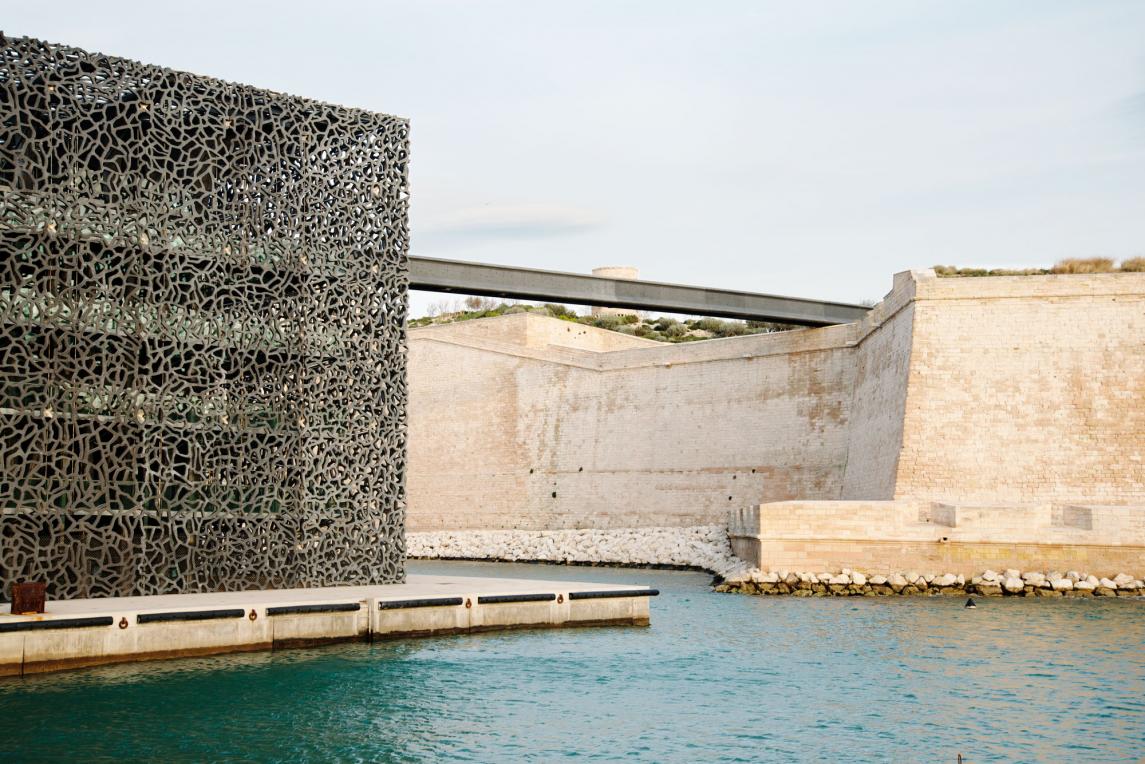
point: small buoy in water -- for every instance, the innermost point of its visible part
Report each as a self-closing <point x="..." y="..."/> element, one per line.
<point x="970" y="603"/>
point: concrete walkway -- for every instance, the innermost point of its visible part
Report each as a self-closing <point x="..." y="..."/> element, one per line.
<point x="88" y="632"/>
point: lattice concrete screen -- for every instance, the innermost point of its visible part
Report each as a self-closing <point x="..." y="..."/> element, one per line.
<point x="202" y="352"/>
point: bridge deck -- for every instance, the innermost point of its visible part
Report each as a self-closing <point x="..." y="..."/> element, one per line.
<point x="435" y="275"/>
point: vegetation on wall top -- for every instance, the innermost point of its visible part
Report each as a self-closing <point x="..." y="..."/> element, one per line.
<point x="1073" y="265"/>
<point x="661" y="329"/>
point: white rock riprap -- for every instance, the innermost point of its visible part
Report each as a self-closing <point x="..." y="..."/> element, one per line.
<point x="990" y="583"/>
<point x="703" y="546"/>
<point x="706" y="547"/>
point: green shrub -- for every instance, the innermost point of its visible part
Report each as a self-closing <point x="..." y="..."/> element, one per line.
<point x="559" y="311"/>
<point x="713" y="325"/>
<point x="734" y="329"/>
<point x="766" y="327"/>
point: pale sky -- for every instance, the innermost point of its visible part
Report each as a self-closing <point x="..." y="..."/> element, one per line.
<point x="804" y="149"/>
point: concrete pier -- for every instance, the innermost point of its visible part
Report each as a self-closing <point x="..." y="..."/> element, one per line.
<point x="78" y="633"/>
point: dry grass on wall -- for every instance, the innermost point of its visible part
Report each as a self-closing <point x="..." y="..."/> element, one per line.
<point x="1076" y="265"/>
<point x="1084" y="265"/>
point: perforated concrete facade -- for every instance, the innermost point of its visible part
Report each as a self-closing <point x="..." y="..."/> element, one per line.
<point x="202" y="352"/>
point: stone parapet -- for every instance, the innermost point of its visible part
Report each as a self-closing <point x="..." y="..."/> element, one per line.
<point x="890" y="536"/>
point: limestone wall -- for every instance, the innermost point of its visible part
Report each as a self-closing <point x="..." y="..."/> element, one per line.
<point x="1026" y="389"/>
<point x="652" y="435"/>
<point x="1003" y="391"/>
<point x="882" y="358"/>
<point x="898" y="536"/>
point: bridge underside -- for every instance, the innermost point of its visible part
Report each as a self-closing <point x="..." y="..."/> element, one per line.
<point x="435" y="275"/>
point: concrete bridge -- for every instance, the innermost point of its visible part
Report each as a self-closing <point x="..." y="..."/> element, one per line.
<point x="434" y="275"/>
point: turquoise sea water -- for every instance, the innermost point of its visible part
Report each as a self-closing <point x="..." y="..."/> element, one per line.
<point x="717" y="677"/>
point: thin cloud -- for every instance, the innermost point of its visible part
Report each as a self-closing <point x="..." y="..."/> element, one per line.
<point x="1133" y="106"/>
<point x="1131" y="111"/>
<point x="513" y="221"/>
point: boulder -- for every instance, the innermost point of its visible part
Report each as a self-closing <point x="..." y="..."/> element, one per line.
<point x="1084" y="585"/>
<point x="1061" y="584"/>
<point x="1073" y="575"/>
<point x="1011" y="573"/>
<point x="897" y="582"/>
<point x="878" y="580"/>
<point x="1122" y="579"/>
<point x="1107" y="583"/>
<point x="989" y="590"/>
<point x="791" y="579"/>
<point x="948" y="579"/>
<point x="1013" y="584"/>
<point x="1033" y="577"/>
<point x="840" y="580"/>
<point x="769" y="578"/>
<point x="1104" y="591"/>
<point x="858" y="579"/>
<point x="989" y="575"/>
<point x="1093" y="580"/>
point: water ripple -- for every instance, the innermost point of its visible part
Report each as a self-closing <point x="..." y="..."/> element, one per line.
<point x="716" y="678"/>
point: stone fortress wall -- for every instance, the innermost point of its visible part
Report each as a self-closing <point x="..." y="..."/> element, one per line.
<point x="1026" y="389"/>
<point x="524" y="423"/>
<point x="1004" y="411"/>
